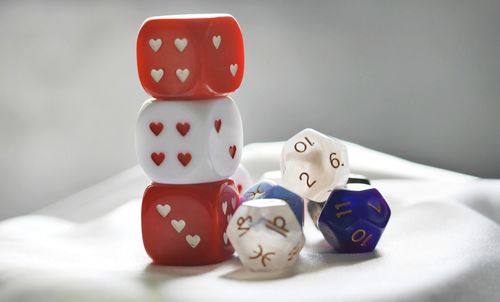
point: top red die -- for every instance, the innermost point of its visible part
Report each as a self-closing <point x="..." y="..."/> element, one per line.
<point x="190" y="56"/>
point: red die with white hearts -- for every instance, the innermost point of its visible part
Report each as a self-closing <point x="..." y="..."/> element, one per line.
<point x="185" y="224"/>
<point x="190" y="56"/>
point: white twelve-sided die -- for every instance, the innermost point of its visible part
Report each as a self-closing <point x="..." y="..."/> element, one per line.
<point x="242" y="178"/>
<point x="192" y="141"/>
<point x="266" y="235"/>
<point x="313" y="164"/>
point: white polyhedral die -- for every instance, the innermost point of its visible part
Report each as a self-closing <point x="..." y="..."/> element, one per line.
<point x="266" y="235"/>
<point x="313" y="164"/>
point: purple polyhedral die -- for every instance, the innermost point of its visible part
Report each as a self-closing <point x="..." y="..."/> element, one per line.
<point x="354" y="218"/>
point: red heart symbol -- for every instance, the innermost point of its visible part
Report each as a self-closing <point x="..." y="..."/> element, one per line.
<point x="156" y="128"/>
<point x="217" y="124"/>
<point x="232" y="151"/>
<point x="158" y="157"/>
<point x="183" y="128"/>
<point x="184" y="158"/>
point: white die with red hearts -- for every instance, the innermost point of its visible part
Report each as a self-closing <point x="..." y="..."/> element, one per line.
<point x="313" y="164"/>
<point x="266" y="235"/>
<point x="190" y="141"/>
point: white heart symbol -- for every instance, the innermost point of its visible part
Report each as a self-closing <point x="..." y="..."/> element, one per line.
<point x="233" y="203"/>
<point x="155" y="44"/>
<point x="216" y="41"/>
<point x="193" y="240"/>
<point x="229" y="217"/>
<point x="178" y="225"/>
<point x="157" y="74"/>
<point x="163" y="209"/>
<point x="233" y="68"/>
<point x="181" y="44"/>
<point x="224" y="207"/>
<point x="182" y="74"/>
<point x="225" y="238"/>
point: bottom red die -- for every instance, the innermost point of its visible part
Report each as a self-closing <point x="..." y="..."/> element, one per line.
<point x="186" y="224"/>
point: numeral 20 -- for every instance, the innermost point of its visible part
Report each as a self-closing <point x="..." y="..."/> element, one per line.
<point x="309" y="184"/>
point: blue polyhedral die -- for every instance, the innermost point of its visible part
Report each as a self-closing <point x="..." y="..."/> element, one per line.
<point x="353" y="218"/>
<point x="270" y="190"/>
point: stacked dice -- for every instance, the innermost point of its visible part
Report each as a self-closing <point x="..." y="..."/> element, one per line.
<point x="189" y="136"/>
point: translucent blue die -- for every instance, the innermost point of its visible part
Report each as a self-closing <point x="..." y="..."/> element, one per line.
<point x="268" y="189"/>
<point x="353" y="218"/>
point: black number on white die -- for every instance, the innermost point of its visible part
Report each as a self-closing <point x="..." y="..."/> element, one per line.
<point x="301" y="147"/>
<point x="334" y="161"/>
<point x="307" y="179"/>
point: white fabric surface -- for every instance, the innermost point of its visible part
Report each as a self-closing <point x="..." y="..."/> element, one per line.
<point x="441" y="244"/>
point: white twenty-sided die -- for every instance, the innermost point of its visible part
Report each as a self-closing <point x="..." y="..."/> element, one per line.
<point x="313" y="164"/>
<point x="242" y="179"/>
<point x="192" y="141"/>
<point x="266" y="235"/>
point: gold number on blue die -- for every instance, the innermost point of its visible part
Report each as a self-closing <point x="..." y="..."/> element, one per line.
<point x="377" y="208"/>
<point x="257" y="194"/>
<point x="362" y="236"/>
<point x="338" y="206"/>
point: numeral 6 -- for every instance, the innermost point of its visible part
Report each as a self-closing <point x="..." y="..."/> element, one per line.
<point x="335" y="162"/>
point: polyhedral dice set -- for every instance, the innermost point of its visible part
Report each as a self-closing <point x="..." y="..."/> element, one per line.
<point x="189" y="136"/>
<point x="354" y="214"/>
<point x="351" y="215"/>
<point x="189" y="140"/>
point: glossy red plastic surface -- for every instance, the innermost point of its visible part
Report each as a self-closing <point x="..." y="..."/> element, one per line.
<point x="186" y="224"/>
<point x="190" y="56"/>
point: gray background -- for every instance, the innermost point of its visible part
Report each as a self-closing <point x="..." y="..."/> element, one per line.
<point x="418" y="79"/>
